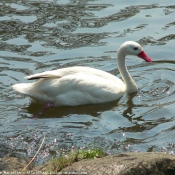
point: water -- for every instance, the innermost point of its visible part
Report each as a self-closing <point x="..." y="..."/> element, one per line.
<point x="36" y="36"/>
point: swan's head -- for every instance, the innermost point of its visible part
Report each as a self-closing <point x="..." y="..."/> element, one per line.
<point x="133" y="48"/>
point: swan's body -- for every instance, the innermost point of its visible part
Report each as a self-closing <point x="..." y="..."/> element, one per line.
<point x="83" y="85"/>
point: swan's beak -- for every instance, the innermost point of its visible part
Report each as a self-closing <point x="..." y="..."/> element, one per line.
<point x="144" y="56"/>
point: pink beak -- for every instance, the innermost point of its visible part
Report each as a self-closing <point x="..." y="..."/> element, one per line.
<point x="144" y="56"/>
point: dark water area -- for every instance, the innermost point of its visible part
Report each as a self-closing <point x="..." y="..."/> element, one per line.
<point x="37" y="36"/>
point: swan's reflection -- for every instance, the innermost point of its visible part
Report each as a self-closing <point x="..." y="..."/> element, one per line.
<point x="58" y="112"/>
<point x="128" y="113"/>
<point x="90" y="109"/>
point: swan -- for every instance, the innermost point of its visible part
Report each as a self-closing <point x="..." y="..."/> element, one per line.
<point x="81" y="85"/>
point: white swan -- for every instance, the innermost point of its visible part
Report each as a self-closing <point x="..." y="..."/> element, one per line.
<point x="83" y="85"/>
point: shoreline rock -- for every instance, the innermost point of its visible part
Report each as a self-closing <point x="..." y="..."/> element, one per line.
<point x="139" y="163"/>
<point x="148" y="163"/>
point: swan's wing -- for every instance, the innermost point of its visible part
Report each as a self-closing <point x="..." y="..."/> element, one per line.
<point x="75" y="89"/>
<point x="47" y="74"/>
<point x="73" y="86"/>
<point x="62" y="72"/>
<point x="58" y="73"/>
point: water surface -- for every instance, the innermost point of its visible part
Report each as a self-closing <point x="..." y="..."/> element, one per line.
<point x="37" y="36"/>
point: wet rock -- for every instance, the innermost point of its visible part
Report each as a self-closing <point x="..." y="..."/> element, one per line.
<point x="126" y="164"/>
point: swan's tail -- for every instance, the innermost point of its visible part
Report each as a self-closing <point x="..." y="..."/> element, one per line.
<point x="23" y="88"/>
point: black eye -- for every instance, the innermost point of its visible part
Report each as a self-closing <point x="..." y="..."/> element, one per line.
<point x="135" y="48"/>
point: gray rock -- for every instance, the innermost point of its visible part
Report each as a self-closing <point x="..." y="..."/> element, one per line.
<point x="126" y="164"/>
<point x="121" y="164"/>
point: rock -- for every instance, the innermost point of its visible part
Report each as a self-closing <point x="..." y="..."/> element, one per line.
<point x="148" y="163"/>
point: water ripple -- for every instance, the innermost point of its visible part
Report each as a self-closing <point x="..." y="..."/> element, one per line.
<point x="36" y="36"/>
<point x="158" y="90"/>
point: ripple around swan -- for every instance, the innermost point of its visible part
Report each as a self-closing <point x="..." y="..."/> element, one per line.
<point x="156" y="83"/>
<point x="158" y="90"/>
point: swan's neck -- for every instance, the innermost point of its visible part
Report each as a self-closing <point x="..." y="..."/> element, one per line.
<point x="129" y="82"/>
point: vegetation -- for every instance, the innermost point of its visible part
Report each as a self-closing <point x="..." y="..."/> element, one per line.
<point x="57" y="164"/>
